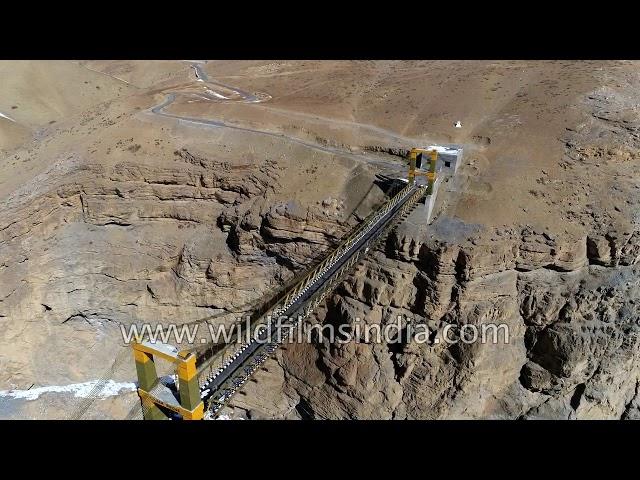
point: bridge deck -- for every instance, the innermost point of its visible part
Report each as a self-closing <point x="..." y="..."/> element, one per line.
<point x="219" y="388"/>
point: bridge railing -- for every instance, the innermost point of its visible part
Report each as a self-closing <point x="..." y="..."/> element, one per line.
<point x="219" y="360"/>
<point x="218" y="393"/>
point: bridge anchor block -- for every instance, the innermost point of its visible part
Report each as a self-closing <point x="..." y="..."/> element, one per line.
<point x="154" y="395"/>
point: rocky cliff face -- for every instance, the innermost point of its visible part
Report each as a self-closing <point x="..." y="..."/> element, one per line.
<point x="571" y="310"/>
<point x="105" y="245"/>
<point x="88" y="247"/>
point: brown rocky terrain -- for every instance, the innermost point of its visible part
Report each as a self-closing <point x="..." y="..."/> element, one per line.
<point x="116" y="214"/>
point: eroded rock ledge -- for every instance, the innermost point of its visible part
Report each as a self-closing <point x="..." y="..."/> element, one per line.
<point x="572" y="311"/>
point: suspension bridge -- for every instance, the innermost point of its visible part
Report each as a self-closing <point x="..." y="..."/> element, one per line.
<point x="207" y="381"/>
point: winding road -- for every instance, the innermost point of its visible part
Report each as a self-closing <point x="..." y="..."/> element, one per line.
<point x="242" y="96"/>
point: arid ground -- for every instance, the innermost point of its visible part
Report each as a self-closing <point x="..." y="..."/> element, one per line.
<point x="170" y="191"/>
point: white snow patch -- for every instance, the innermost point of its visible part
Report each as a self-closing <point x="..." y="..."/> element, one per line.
<point x="81" y="390"/>
<point x="441" y="149"/>
<point x="224" y="416"/>
<point x="122" y="80"/>
<point x="216" y="94"/>
<point x="7" y="117"/>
